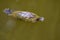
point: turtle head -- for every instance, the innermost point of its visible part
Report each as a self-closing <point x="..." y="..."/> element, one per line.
<point x="40" y="19"/>
<point x="7" y="11"/>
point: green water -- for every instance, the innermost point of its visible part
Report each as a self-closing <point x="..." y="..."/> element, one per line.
<point x="13" y="29"/>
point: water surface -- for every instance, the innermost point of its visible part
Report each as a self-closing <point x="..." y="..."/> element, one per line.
<point x="13" y="29"/>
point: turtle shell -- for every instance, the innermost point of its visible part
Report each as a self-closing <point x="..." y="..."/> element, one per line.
<point x="24" y="15"/>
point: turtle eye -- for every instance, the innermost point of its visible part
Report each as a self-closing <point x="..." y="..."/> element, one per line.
<point x="37" y="19"/>
<point x="7" y="11"/>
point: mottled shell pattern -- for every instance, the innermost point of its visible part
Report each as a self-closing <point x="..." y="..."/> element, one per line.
<point x="17" y="14"/>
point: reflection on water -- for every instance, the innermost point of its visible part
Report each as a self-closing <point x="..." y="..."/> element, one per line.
<point x="10" y="24"/>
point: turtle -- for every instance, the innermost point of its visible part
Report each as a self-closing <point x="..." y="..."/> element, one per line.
<point x="24" y="15"/>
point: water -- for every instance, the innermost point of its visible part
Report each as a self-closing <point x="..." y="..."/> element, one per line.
<point x="13" y="29"/>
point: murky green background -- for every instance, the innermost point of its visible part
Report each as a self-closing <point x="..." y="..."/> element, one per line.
<point x="12" y="29"/>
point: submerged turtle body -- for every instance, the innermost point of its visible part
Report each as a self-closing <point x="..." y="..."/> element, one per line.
<point x="24" y="15"/>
